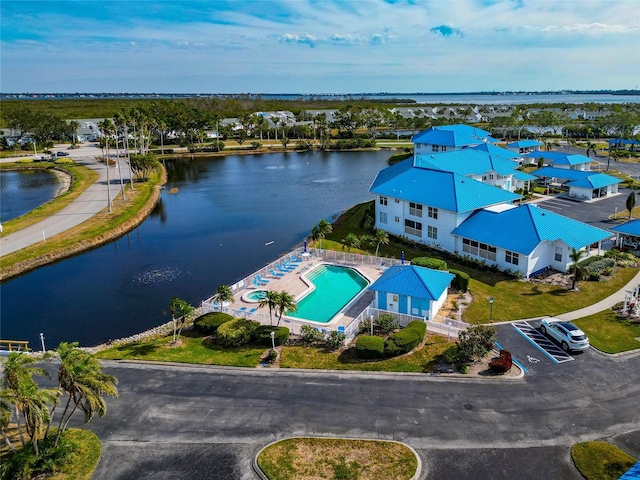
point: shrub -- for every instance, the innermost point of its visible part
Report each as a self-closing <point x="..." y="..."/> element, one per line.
<point x="594" y="276"/>
<point x="262" y="335"/>
<point x="461" y="280"/>
<point x="271" y="356"/>
<point x="24" y="464"/>
<point x="334" y="340"/>
<point x="62" y="161"/>
<point x="474" y="343"/>
<point x="385" y="323"/>
<point x="256" y="145"/>
<point x="406" y="339"/>
<point x="25" y="160"/>
<point x="310" y="335"/>
<point x="369" y="347"/>
<point x="427" y="262"/>
<point x="236" y="333"/>
<point x="502" y="364"/>
<point x="210" y="322"/>
<point x="304" y="145"/>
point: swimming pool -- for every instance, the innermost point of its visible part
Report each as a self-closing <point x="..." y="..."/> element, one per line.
<point x="255" y="295"/>
<point x="335" y="287"/>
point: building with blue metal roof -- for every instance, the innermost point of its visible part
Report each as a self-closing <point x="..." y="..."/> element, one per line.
<point x="426" y="204"/>
<point x="583" y="184"/>
<point x="628" y="234"/>
<point x="563" y="160"/>
<point x="524" y="146"/>
<point x="526" y="238"/>
<point x="412" y="290"/>
<point x="446" y="138"/>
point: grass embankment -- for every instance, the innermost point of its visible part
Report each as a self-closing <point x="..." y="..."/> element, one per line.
<point x="609" y="332"/>
<point x="79" y="466"/>
<point x="81" y="179"/>
<point x="96" y="231"/>
<point x="337" y="458"/>
<point x="601" y="460"/>
<point x="191" y="350"/>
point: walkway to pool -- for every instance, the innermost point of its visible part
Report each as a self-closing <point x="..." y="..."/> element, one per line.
<point x="293" y="282"/>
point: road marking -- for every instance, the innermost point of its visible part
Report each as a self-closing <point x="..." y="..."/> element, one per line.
<point x="533" y="359"/>
<point x="542" y="343"/>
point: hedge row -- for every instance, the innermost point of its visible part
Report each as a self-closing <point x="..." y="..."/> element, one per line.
<point x="461" y="280"/>
<point x="428" y="262"/>
<point x="209" y="322"/>
<point x="405" y="340"/>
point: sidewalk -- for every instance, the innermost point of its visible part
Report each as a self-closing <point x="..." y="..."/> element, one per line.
<point x="89" y="203"/>
<point x="602" y="304"/>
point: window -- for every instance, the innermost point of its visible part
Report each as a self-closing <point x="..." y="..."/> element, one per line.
<point x="511" y="257"/>
<point x="432" y="212"/>
<point x="397" y="201"/>
<point x="491" y="176"/>
<point x="479" y="249"/>
<point x="383" y="200"/>
<point x="432" y="232"/>
<point x="558" y="254"/>
<point x="415" y="209"/>
<point x="383" y="217"/>
<point x="444" y="148"/>
<point x="435" y="148"/>
<point x="413" y="228"/>
<point x="397" y="219"/>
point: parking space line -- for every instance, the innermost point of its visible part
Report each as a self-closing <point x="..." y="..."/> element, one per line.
<point x="542" y="343"/>
<point x="513" y="358"/>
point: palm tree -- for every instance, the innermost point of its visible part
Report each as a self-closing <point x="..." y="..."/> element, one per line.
<point x="350" y="241"/>
<point x="73" y="125"/>
<point x="270" y="300"/>
<point x="284" y="303"/>
<point x="320" y="231"/>
<point x="81" y="378"/>
<point x="591" y="147"/>
<point x="105" y="128"/>
<point x="223" y="294"/>
<point x="381" y="238"/>
<point x="125" y="119"/>
<point x="5" y="420"/>
<point x="578" y="271"/>
<point x="631" y="202"/>
<point x="614" y="155"/>
<point x="179" y="310"/>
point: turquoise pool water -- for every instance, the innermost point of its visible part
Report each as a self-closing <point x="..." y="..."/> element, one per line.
<point x="256" y="295"/>
<point x="335" y="287"/>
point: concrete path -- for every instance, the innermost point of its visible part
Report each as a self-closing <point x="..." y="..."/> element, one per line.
<point x="89" y="203"/>
<point x="602" y="305"/>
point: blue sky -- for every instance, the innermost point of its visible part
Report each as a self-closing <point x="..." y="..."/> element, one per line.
<point x="324" y="46"/>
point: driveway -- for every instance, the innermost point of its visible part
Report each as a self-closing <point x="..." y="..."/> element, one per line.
<point x="172" y="421"/>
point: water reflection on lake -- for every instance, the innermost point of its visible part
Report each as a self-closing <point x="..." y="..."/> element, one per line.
<point x="23" y="190"/>
<point x="212" y="231"/>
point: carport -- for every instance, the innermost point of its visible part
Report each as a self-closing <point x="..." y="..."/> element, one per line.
<point x="598" y="185"/>
<point x="628" y="234"/>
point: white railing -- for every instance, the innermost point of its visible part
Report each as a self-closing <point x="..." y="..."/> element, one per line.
<point x="348" y="258"/>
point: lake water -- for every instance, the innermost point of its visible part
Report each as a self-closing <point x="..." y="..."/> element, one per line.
<point x="212" y="232"/>
<point x="23" y="190"/>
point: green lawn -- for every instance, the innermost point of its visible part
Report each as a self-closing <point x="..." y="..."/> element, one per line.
<point x="337" y="458"/>
<point x="192" y="350"/>
<point x="422" y="360"/>
<point x="601" y="460"/>
<point x="610" y="333"/>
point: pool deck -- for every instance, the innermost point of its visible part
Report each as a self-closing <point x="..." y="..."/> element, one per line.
<point x="293" y="282"/>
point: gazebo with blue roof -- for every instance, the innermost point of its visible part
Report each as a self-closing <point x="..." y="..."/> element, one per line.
<point x="412" y="290"/>
<point x="524" y="146"/>
<point x="563" y="160"/>
<point x="628" y="234"/>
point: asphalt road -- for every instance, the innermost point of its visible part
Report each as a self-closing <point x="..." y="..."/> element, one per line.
<point x="178" y="421"/>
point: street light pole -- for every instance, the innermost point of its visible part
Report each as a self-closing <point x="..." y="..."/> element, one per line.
<point x="273" y="340"/>
<point x="491" y="309"/>
<point x="371" y="323"/>
<point x="42" y="341"/>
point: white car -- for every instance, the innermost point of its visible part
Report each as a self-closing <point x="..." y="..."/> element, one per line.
<point x="566" y="334"/>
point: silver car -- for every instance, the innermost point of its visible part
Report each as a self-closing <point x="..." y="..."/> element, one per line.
<point x="566" y="334"/>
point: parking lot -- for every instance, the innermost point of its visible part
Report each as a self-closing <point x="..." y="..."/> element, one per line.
<point x="594" y="213"/>
<point x="536" y="353"/>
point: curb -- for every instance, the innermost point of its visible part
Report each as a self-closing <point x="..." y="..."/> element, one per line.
<point x="262" y="476"/>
